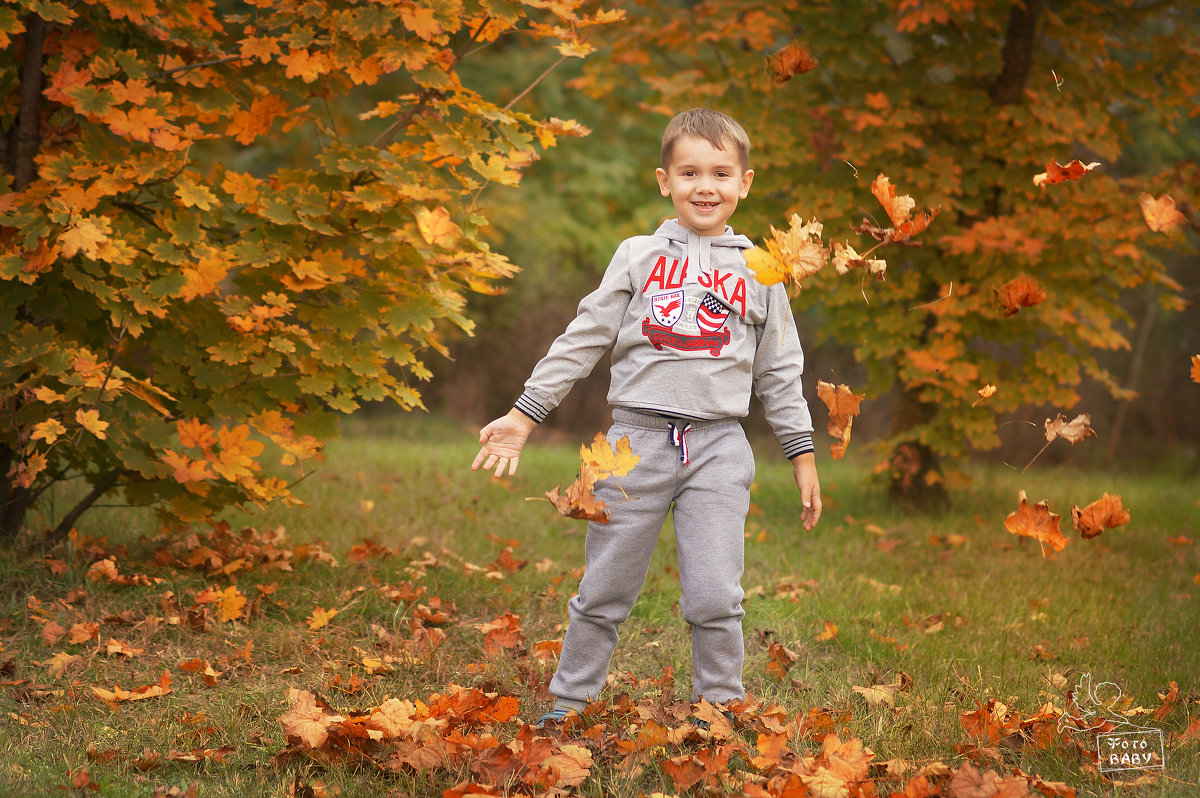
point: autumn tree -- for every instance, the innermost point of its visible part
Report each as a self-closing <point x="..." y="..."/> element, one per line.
<point x="961" y="103"/>
<point x="222" y="224"/>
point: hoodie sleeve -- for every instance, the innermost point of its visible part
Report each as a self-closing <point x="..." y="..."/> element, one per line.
<point x="778" y="368"/>
<point x="574" y="353"/>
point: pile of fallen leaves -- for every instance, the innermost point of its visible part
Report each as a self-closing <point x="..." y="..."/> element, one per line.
<point x="763" y="752"/>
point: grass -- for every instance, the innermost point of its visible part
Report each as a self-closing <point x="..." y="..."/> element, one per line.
<point x="959" y="609"/>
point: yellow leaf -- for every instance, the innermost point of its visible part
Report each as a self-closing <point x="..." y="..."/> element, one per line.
<point x="48" y="430"/>
<point x="61" y="662"/>
<point x="437" y="228"/>
<point x="90" y="420"/>
<point x="605" y="461"/>
<point x="194" y="195"/>
<point x="320" y="618"/>
<point x="829" y="632"/>
<point x="420" y="21"/>
<point x="85" y="235"/>
<point x="231" y="604"/>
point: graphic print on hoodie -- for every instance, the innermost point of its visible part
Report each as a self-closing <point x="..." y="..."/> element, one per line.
<point x="693" y="334"/>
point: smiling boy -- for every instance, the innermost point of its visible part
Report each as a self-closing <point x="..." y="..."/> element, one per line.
<point x="692" y="335"/>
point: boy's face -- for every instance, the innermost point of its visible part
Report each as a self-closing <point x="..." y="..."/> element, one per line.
<point x="704" y="184"/>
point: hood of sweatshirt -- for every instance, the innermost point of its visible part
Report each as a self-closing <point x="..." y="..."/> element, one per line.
<point x="698" y="247"/>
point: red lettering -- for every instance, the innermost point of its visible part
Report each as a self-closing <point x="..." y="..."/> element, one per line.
<point x="705" y="280"/>
<point x="739" y="296"/>
<point x="718" y="281"/>
<point x="657" y="275"/>
<point x="672" y="280"/>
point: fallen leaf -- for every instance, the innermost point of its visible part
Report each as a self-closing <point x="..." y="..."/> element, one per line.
<point x="501" y="634"/>
<point x="829" y="632"/>
<point x="320" y="618"/>
<point x="308" y="719"/>
<point x="1104" y="513"/>
<point x="1036" y="522"/>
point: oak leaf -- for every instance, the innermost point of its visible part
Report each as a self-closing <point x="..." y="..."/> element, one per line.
<point x="843" y="406"/>
<point x="1036" y="522"/>
<point x="1058" y="173"/>
<point x="794" y="58"/>
<point x="1021" y="291"/>
<point x="1104" y="513"/>
<point x="1160" y="213"/>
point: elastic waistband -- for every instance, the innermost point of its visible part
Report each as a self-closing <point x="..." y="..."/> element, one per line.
<point x="645" y="420"/>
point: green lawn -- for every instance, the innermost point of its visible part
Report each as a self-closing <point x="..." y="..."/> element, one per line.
<point x="950" y="607"/>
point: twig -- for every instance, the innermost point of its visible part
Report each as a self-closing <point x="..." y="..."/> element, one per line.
<point x="939" y="299"/>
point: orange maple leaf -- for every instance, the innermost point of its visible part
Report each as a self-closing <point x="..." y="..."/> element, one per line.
<point x="501" y="634"/>
<point x="779" y="660"/>
<point x="899" y="211"/>
<point x="1021" y="291"/>
<point x="238" y="450"/>
<point x="246" y="125"/>
<point x="1057" y="173"/>
<point x="308" y="719"/>
<point x="1195" y="368"/>
<point x="1036" y="522"/>
<point x="1160" y="213"/>
<point x="843" y="406"/>
<point x="90" y="420"/>
<point x="794" y="58"/>
<point x="578" y="501"/>
<point x="308" y="66"/>
<point x="1104" y="513"/>
<point x="828" y="631"/>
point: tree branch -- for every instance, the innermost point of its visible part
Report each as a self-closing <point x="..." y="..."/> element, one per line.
<point x="68" y="521"/>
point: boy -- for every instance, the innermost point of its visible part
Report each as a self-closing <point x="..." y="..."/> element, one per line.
<point x="691" y="333"/>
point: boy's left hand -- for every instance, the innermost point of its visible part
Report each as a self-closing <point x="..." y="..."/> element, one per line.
<point x="804" y="470"/>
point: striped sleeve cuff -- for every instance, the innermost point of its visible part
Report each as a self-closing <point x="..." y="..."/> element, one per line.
<point x="532" y="408"/>
<point x="801" y="444"/>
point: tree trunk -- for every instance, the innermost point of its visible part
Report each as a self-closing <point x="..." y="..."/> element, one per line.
<point x="14" y="500"/>
<point x="26" y="133"/>
<point x="1020" y="42"/>
<point x="914" y="470"/>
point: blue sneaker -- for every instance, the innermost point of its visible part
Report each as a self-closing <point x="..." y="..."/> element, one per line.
<point x="556" y="715"/>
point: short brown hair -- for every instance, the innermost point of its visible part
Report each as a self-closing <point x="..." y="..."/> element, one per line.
<point x="716" y="128"/>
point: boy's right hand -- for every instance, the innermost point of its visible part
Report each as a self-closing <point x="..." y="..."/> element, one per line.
<point x="502" y="442"/>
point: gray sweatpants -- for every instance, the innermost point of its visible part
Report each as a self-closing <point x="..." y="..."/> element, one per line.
<point x="711" y="495"/>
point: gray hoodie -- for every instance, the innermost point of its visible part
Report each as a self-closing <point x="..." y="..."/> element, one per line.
<point x="691" y="332"/>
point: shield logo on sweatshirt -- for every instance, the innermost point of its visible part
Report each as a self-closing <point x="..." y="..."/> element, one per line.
<point x="667" y="308"/>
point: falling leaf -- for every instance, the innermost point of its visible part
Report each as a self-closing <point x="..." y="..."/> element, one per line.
<point x="1072" y="431"/>
<point x="1104" y="513"/>
<point x="607" y="461"/>
<point x="320" y="618"/>
<point x="1021" y="291"/>
<point x="899" y="211"/>
<point x="846" y="258"/>
<point x="794" y="254"/>
<point x="843" y="406"/>
<point x="794" y="58"/>
<point x="1036" y="522"/>
<point x="1195" y="368"/>
<point x="1057" y="173"/>
<point x="1160" y="213"/>
<point x="578" y="501"/>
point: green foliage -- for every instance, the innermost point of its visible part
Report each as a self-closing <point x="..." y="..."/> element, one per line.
<point x="960" y="104"/>
<point x="170" y="275"/>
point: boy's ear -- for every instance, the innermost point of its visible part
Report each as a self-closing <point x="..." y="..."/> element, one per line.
<point x="744" y="188"/>
<point x="661" y="174"/>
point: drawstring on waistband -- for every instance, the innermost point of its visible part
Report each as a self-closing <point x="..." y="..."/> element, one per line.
<point x="676" y="437"/>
